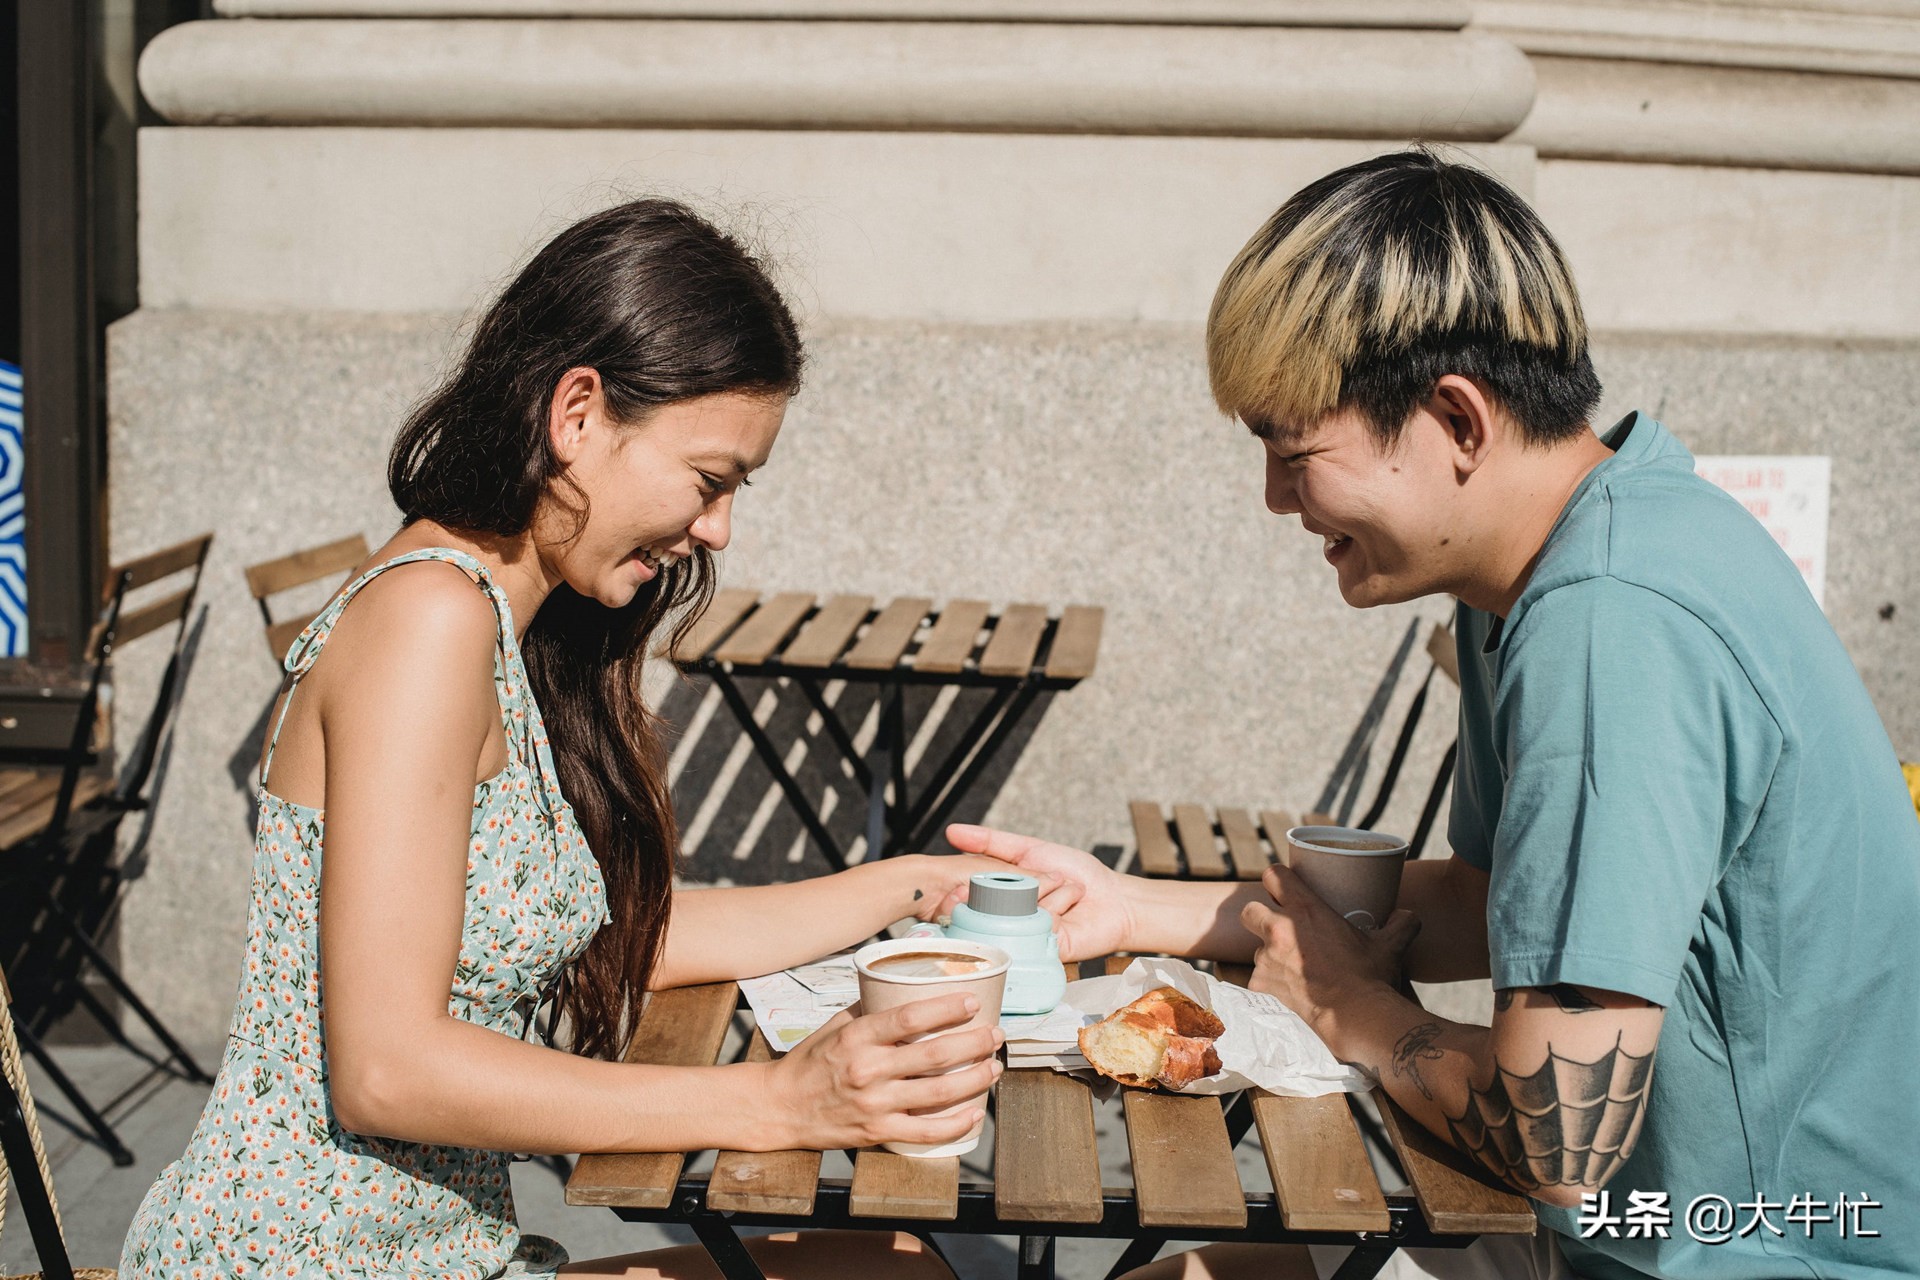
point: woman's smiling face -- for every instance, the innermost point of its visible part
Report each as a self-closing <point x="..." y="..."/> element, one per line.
<point x="654" y="492"/>
<point x="1383" y="513"/>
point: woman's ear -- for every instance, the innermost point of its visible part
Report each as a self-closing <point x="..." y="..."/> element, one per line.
<point x="573" y="412"/>
<point x="1473" y="427"/>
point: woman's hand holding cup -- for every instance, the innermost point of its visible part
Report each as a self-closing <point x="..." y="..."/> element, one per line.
<point x="859" y="1081"/>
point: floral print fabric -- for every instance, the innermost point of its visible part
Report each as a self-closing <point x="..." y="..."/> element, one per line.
<point x="270" y="1184"/>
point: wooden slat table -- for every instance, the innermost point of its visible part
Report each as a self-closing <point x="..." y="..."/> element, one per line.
<point x="1046" y="1181"/>
<point x="1016" y="654"/>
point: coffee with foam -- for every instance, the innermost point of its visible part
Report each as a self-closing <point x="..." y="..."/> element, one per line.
<point x="927" y="964"/>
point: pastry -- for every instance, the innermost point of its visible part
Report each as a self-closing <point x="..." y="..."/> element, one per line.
<point x="1162" y="1038"/>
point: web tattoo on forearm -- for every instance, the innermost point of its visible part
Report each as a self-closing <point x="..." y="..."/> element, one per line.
<point x="1569" y="1123"/>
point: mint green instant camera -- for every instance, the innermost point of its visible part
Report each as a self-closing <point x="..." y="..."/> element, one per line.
<point x="1003" y="910"/>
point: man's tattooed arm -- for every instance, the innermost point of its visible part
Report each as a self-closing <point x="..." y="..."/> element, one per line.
<point x="1555" y="1128"/>
<point x="1567" y="1124"/>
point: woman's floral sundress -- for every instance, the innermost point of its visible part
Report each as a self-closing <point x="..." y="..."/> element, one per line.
<point x="270" y="1184"/>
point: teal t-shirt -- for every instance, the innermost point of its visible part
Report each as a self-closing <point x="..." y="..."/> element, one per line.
<point x="1681" y="791"/>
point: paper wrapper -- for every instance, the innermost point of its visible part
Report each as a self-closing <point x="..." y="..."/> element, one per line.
<point x="1266" y="1045"/>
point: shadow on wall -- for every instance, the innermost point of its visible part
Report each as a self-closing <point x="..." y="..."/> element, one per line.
<point x="736" y="824"/>
<point x="243" y="766"/>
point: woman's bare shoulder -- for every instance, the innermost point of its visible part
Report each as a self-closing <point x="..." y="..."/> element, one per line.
<point x="429" y="618"/>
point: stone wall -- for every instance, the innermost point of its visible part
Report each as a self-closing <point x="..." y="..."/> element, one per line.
<point x="1061" y="463"/>
<point x="1003" y="278"/>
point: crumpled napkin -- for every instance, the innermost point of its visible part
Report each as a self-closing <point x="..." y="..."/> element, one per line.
<point x="1266" y="1045"/>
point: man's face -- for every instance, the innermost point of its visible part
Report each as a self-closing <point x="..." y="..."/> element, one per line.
<point x="1386" y="517"/>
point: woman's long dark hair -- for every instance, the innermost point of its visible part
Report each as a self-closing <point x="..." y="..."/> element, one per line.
<point x="665" y="307"/>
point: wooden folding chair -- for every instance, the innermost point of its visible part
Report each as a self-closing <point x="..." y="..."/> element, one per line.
<point x="271" y="577"/>
<point x="1197" y="844"/>
<point x="23" y="1156"/>
<point x="59" y="827"/>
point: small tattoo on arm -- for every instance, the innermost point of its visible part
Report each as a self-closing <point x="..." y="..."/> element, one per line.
<point x="1570" y="998"/>
<point x="1416" y="1046"/>
<point x="917" y="895"/>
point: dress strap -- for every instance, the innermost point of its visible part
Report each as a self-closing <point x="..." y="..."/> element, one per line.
<point x="306" y="650"/>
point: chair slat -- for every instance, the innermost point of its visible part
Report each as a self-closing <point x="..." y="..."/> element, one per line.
<point x="888" y="635"/>
<point x="1076" y="642"/>
<point x="1243" y="844"/>
<point x="1046" y="1163"/>
<point x="1195" y="829"/>
<point x="682" y="1027"/>
<point x="281" y="635"/>
<point x="1321" y="1174"/>
<point x="726" y="608"/>
<point x="950" y="643"/>
<point x="1015" y="639"/>
<point x="886" y="1185"/>
<point x="1183" y="1170"/>
<point x="822" y="639"/>
<point x="37" y="785"/>
<point x="1318" y="819"/>
<point x="764" y="1181"/>
<point x="12" y="780"/>
<point x="151" y="617"/>
<point x="766" y="630"/>
<point x="1158" y="855"/>
<point x="1440" y="648"/>
<point x="270" y="577"/>
<point x="1455" y="1198"/>
<point x="1276" y="823"/>
<point x="155" y="565"/>
<point x="25" y="821"/>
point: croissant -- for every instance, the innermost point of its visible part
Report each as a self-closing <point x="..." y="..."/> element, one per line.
<point x="1162" y="1038"/>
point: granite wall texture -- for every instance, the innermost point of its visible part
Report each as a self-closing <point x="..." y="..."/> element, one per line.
<point x="1063" y="463"/>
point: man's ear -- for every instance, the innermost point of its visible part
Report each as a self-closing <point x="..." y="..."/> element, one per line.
<point x="1473" y="427"/>
<point x="573" y="409"/>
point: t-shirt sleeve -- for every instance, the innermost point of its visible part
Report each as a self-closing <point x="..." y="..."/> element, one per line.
<point x="1636" y="754"/>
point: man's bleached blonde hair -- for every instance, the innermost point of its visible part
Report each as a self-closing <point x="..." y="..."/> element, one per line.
<point x="1371" y="283"/>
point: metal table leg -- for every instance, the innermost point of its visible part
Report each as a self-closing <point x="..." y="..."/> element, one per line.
<point x="938" y="785"/>
<point x="1365" y="1262"/>
<point x="1138" y="1253"/>
<point x="770" y="756"/>
<point x="897" y="811"/>
<point x="724" y="1247"/>
<point x="836" y="729"/>
<point x="1036" y="1258"/>
<point x="886" y="754"/>
<point x="923" y="830"/>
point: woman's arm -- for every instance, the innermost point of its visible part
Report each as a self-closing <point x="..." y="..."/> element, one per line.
<point x="405" y="716"/>
<point x="720" y="934"/>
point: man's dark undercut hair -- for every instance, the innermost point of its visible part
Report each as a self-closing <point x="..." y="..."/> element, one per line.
<point x="1372" y="283"/>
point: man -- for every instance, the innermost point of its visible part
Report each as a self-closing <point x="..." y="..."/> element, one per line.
<point x="1681" y="847"/>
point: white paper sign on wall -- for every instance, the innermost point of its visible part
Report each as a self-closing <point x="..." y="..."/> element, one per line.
<point x="1789" y="495"/>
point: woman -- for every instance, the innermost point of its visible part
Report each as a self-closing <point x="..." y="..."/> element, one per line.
<point x="469" y="750"/>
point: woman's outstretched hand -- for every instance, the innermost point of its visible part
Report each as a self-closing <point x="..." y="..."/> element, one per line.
<point x="854" y="1083"/>
<point x="1093" y="915"/>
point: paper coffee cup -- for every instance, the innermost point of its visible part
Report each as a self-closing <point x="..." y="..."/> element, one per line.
<point x="889" y="978"/>
<point x="1355" y="872"/>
